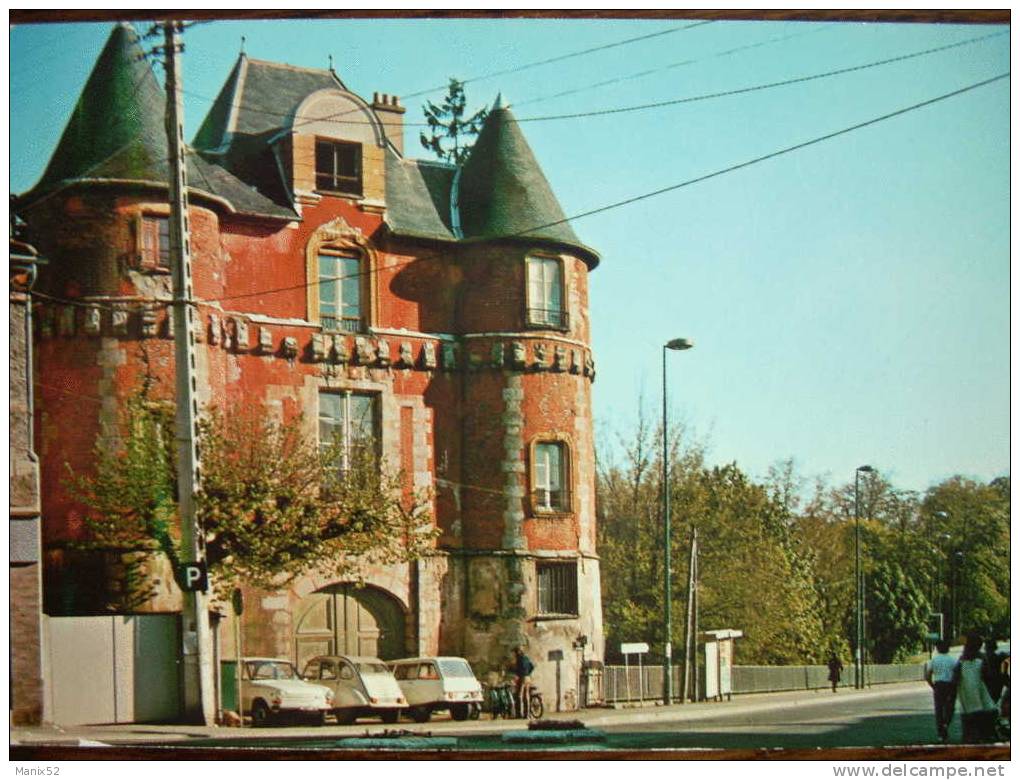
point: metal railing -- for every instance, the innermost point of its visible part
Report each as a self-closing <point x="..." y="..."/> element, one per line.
<point x="548" y="318"/>
<point x="341" y="324"/>
<point x="632" y="684"/>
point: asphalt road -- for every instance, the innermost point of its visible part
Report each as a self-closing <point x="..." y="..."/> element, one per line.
<point x="835" y="720"/>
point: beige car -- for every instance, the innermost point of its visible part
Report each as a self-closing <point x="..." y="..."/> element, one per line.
<point x="361" y="686"/>
<point x="438" y="683"/>
<point x="272" y="689"/>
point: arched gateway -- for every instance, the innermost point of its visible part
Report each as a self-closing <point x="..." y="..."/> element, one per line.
<point x="344" y="619"/>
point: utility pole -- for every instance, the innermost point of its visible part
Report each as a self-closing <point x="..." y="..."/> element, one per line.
<point x="692" y="573"/>
<point x="197" y="671"/>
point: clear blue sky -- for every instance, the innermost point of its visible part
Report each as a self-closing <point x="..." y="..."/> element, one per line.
<point x="849" y="302"/>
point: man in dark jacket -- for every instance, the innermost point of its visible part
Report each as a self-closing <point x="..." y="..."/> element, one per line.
<point x="522" y="668"/>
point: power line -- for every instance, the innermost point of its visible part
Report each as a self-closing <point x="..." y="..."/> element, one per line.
<point x="652" y="194"/>
<point x="682" y="63"/>
<point x="562" y="57"/>
<point x="658" y="104"/>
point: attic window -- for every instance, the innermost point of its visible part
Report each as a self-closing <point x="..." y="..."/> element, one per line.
<point x="338" y="167"/>
<point x="154" y="249"/>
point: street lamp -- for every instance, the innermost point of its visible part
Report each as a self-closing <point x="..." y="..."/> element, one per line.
<point x="667" y="663"/>
<point x="858" y="580"/>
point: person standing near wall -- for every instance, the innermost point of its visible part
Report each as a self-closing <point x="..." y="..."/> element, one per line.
<point x="939" y="672"/>
<point x="522" y="669"/>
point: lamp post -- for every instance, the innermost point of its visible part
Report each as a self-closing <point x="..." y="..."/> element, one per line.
<point x="667" y="662"/>
<point x="858" y="581"/>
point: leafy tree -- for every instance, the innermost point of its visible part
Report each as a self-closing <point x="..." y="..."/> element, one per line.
<point x="449" y="129"/>
<point x="966" y="547"/>
<point x="752" y="576"/>
<point x="273" y="504"/>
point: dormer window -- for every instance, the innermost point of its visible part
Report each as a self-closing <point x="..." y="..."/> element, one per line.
<point x="338" y="167"/>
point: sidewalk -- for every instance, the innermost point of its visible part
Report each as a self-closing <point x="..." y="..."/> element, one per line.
<point x="159" y="734"/>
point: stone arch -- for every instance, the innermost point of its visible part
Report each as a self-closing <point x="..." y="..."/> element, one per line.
<point x="331" y="113"/>
<point x="347" y="619"/>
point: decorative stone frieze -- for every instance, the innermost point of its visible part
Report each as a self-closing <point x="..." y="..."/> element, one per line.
<point x="383" y="352"/>
<point x="363" y="352"/>
<point x="540" y="356"/>
<point x="428" y="356"/>
<point x="168" y="324"/>
<point x="119" y="320"/>
<point x="518" y="355"/>
<point x="498" y="354"/>
<point x="449" y="356"/>
<point x="265" y="341"/>
<point x="215" y="335"/>
<point x="341" y="350"/>
<point x="320" y="347"/>
<point x="589" y="366"/>
<point x="405" y="357"/>
<point x="240" y="334"/>
<point x="560" y="359"/>
<point x="290" y="347"/>
<point x="575" y="361"/>
<point x="65" y="321"/>
<point x="149" y="322"/>
<point x="93" y="321"/>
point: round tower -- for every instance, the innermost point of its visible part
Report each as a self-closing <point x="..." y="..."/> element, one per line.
<point x="526" y="557"/>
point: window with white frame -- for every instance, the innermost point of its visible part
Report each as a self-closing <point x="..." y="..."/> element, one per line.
<point x="341" y="283"/>
<point x="545" y="293"/>
<point x="550" y="484"/>
<point x="557" y="587"/>
<point x="348" y="421"/>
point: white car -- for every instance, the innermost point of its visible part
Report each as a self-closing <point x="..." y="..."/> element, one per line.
<point x="361" y="685"/>
<point x="271" y="688"/>
<point x="438" y="683"/>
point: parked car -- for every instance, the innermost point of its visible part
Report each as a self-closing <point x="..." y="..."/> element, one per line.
<point x="361" y="686"/>
<point x="271" y="689"/>
<point x="438" y="683"/>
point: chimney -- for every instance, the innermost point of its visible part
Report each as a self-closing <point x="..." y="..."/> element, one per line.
<point x="391" y="114"/>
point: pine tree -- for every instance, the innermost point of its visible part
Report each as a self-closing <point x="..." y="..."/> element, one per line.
<point x="447" y="124"/>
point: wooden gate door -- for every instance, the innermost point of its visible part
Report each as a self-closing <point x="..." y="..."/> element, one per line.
<point x="345" y="620"/>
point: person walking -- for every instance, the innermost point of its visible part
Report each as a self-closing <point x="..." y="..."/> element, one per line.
<point x="939" y="673"/>
<point x="992" y="669"/>
<point x="977" y="710"/>
<point x="522" y="668"/>
<point x="835" y="670"/>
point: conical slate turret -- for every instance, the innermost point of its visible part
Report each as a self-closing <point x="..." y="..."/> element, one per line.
<point x="116" y="129"/>
<point x="503" y="192"/>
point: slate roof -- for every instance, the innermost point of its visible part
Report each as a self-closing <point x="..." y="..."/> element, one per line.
<point x="418" y="197"/>
<point x="116" y="133"/>
<point x="503" y="193"/>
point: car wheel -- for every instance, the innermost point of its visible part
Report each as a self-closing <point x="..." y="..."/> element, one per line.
<point x="319" y="718"/>
<point x="390" y="716"/>
<point x="421" y="714"/>
<point x="476" y="711"/>
<point x="460" y="711"/>
<point x="346" y="716"/>
<point x="260" y="714"/>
